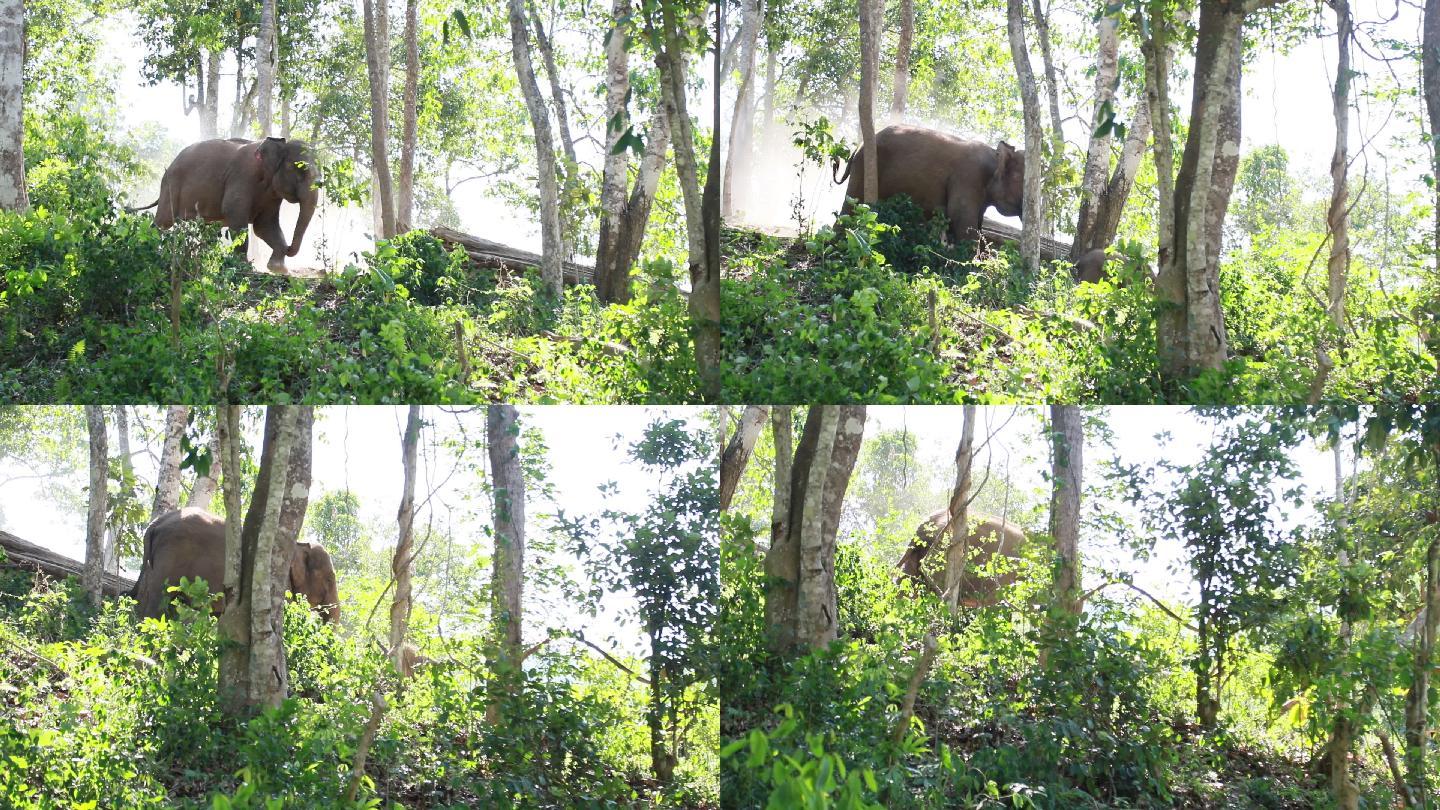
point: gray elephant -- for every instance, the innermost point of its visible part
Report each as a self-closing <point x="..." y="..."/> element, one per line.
<point x="1091" y="266"/>
<point x="242" y="183"/>
<point x="190" y="542"/>
<point x="988" y="537"/>
<point x="944" y="174"/>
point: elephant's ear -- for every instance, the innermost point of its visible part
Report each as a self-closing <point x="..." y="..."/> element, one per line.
<point x="1006" y="153"/>
<point x="272" y="154"/>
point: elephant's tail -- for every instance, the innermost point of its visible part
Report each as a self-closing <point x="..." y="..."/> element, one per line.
<point x="143" y="207"/>
<point x="835" y="167"/>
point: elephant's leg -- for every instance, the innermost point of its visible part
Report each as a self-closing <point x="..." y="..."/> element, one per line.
<point x="965" y="207"/>
<point x="267" y="227"/>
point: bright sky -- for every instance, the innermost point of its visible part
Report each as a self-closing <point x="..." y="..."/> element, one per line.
<point x="346" y="230"/>
<point x="359" y="448"/>
<point x="937" y="430"/>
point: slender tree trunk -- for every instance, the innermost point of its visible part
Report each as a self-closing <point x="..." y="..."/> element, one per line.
<point x="742" y="122"/>
<point x="781" y="430"/>
<point x="612" y="280"/>
<point x="1338" y="217"/>
<point x="91" y="579"/>
<point x="1430" y="88"/>
<point x="507" y="583"/>
<point x="265" y="68"/>
<point x="1067" y="478"/>
<point x="1052" y="88"/>
<point x="1112" y="203"/>
<point x="210" y="104"/>
<point x="960" y="497"/>
<point x="167" y="482"/>
<point x="405" y="199"/>
<point x="234" y="674"/>
<point x="767" y="116"/>
<point x="1097" y="156"/>
<point x="1417" y="697"/>
<point x="400" y="563"/>
<point x="704" y="303"/>
<point x="551" y="234"/>
<point x="569" y="171"/>
<point x="872" y="17"/>
<point x="737" y="451"/>
<point x="901" y="93"/>
<point x="1342" y="730"/>
<point x="111" y="557"/>
<point x="636" y="217"/>
<point x="1169" y="280"/>
<point x="1032" y="215"/>
<point x="377" y="62"/>
<point x="13" y="196"/>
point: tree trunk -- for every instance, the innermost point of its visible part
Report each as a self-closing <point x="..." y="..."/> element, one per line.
<point x="872" y="17"/>
<point x="210" y="104"/>
<point x="1338" y="217"/>
<point x="13" y="196"/>
<point x="1430" y="88"/>
<point x="202" y="494"/>
<point x="111" y="556"/>
<point x="92" y="579"/>
<point x="742" y="122"/>
<point x="636" y="214"/>
<point x="253" y="670"/>
<point x="377" y="63"/>
<point x="960" y="497"/>
<point x="1097" y="156"/>
<point x="612" y="280"/>
<point x="551" y="235"/>
<point x="781" y="430"/>
<point x="1417" y="697"/>
<point x="167" y="481"/>
<point x="507" y="582"/>
<point x="570" y="169"/>
<point x="1111" y="205"/>
<point x="901" y="92"/>
<point x="1067" y="471"/>
<point x="400" y="563"/>
<point x="1052" y="88"/>
<point x="232" y="664"/>
<point x="737" y="451"/>
<point x="1170" y="280"/>
<point x="405" y="199"/>
<point x="767" y="117"/>
<point x="1033" y="212"/>
<point x="265" y="68"/>
<point x="1342" y="731"/>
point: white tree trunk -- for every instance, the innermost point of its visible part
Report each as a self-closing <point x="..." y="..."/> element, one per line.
<point x="872" y="18"/>
<point x="1338" y="217"/>
<point x="551" y="235"/>
<point x="1067" y="477"/>
<point x="611" y="276"/>
<point x="815" y="617"/>
<point x="13" y="196"/>
<point x="202" y="494"/>
<point x="737" y="451"/>
<point x="400" y="563"/>
<point x="91" y="580"/>
<point x="265" y="68"/>
<point x="111" y="557"/>
<point x="377" y="62"/>
<point x="901" y="92"/>
<point x="405" y="203"/>
<point x="1052" y="86"/>
<point x="742" y="121"/>
<point x="210" y="104"/>
<point x="1097" y="156"/>
<point x="1033" y="212"/>
<point x="167" y="481"/>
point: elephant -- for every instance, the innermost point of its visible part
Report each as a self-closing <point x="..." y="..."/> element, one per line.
<point x="943" y="174"/>
<point x="190" y="542"/>
<point x="1090" y="267"/>
<point x="988" y="536"/>
<point x="241" y="183"/>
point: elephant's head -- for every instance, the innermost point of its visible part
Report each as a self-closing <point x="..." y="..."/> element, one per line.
<point x="312" y="574"/>
<point x="291" y="171"/>
<point x="1006" y="190"/>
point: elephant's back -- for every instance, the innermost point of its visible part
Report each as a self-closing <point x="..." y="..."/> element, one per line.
<point x="1006" y="537"/>
<point x="188" y="542"/>
<point x="219" y="150"/>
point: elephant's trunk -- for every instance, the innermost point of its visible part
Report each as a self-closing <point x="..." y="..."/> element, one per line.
<point x="308" y="199"/>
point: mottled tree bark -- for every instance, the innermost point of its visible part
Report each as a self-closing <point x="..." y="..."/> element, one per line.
<point x="401" y="561"/>
<point x="405" y="198"/>
<point x="738" y="449"/>
<point x="91" y="580"/>
<point x="872" y="17"/>
<point x="202" y="494"/>
<point x="1338" y="217"/>
<point x="781" y="428"/>
<point x="742" y="121"/>
<point x="167" y="481"/>
<point x="507" y="583"/>
<point x="265" y="68"/>
<point x="1097" y="155"/>
<point x="1430" y="88"/>
<point x="612" y="280"/>
<point x="1033" y="212"/>
<point x="1067" y="471"/>
<point x="13" y="196"/>
<point x="960" y="497"/>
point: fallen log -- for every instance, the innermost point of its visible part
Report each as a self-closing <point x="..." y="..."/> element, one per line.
<point x="27" y="556"/>
<point x="1050" y="249"/>
<point x="503" y="257"/>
